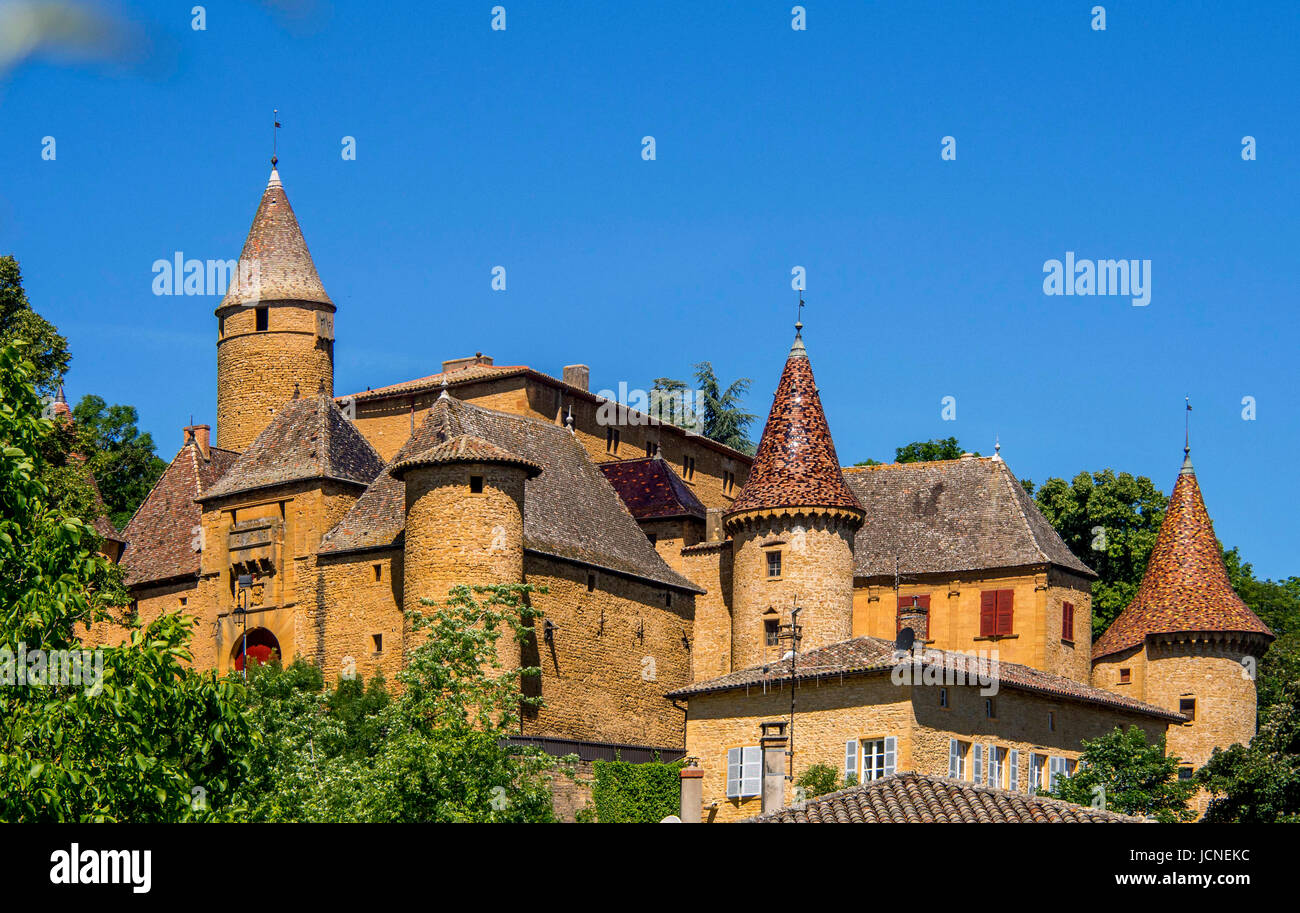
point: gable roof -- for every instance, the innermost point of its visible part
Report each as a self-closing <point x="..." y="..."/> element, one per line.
<point x="911" y="798"/>
<point x="309" y="438"/>
<point x="950" y="515"/>
<point x="795" y="465"/>
<point x="160" y="536"/>
<point x="868" y="655"/>
<point x="1185" y="586"/>
<point x="285" y="271"/>
<point x="570" y="511"/>
<point x="652" y="490"/>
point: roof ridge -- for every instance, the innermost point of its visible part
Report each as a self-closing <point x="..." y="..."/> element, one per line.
<point x="1009" y="480"/>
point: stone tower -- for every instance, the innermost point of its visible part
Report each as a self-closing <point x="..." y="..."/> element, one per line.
<point x="275" y="325"/>
<point x="792" y="528"/>
<point x="464" y="517"/>
<point x="1187" y="642"/>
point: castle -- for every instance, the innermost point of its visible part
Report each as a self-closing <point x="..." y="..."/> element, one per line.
<point x="677" y="573"/>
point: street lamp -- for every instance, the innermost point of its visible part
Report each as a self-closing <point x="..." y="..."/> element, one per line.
<point x="243" y="587"/>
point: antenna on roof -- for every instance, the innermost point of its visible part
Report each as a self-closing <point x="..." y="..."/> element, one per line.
<point x="275" y="136"/>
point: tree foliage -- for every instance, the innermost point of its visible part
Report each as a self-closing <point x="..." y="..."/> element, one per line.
<point x="1259" y="782"/>
<point x="626" y="793"/>
<point x="725" y="419"/>
<point x="1123" y="772"/>
<point x="818" y="780"/>
<point x="923" y="451"/>
<point x="46" y="350"/>
<point x="117" y="453"/>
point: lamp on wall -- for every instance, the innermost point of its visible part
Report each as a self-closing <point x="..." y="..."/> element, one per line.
<point x="244" y="586"/>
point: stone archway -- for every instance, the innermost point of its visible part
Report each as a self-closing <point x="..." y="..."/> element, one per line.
<point x="262" y="648"/>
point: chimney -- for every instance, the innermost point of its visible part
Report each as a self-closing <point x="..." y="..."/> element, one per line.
<point x="773" y="742"/>
<point x="201" y="435"/>
<point x="578" y="376"/>
<point x="692" y="807"/>
<point x="915" y="616"/>
<point x="713" y="529"/>
<point x="459" y="364"/>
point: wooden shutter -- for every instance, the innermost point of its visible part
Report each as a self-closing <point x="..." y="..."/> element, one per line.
<point x="978" y="751"/>
<point x="752" y="780"/>
<point x="1013" y="769"/>
<point x="954" y="770"/>
<point x="850" y="758"/>
<point x="1067" y="621"/>
<point x="988" y="613"/>
<point x="891" y="755"/>
<point x="991" y="771"/>
<point x="905" y="602"/>
<point x="733" y="772"/>
<point x="1005" y="611"/>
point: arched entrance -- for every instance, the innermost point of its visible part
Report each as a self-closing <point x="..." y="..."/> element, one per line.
<point x="262" y="648"/>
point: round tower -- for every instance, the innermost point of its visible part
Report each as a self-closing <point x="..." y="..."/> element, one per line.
<point x="792" y="528"/>
<point x="1187" y="642"/>
<point x="464" y="517"/>
<point x="275" y="326"/>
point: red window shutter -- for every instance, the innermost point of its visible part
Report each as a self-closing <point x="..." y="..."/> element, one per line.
<point x="988" y="613"/>
<point x="905" y="602"/>
<point x="924" y="601"/>
<point x="1067" y="621"/>
<point x="1005" y="616"/>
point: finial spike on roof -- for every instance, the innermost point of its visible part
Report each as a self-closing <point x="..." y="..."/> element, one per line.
<point x="997" y="448"/>
<point x="444" y="394"/>
<point x="568" y="419"/>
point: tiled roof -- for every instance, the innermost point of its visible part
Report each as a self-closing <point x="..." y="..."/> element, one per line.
<point x="795" y="465"/>
<point x="463" y="375"/>
<point x="309" y="438"/>
<point x="275" y="244"/>
<point x="570" y="511"/>
<point x="161" y="537"/>
<point x="1185" y="587"/>
<point x="464" y="448"/>
<point x="865" y="655"/>
<point x="910" y="798"/>
<point x="652" y="490"/>
<point x="950" y="515"/>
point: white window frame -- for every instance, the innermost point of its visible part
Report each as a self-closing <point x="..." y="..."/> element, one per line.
<point x="957" y="752"/>
<point x="744" y="772"/>
<point x="1036" y="768"/>
<point x="994" y="773"/>
<point x="1058" y="770"/>
<point x="879" y="758"/>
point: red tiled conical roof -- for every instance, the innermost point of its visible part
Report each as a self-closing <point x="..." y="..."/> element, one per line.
<point x="1185" y="587"/>
<point x="796" y="465"/>
<point x="285" y="271"/>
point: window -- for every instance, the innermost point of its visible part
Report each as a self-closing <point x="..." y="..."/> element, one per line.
<point x="668" y="599"/>
<point x="728" y="482"/>
<point x="688" y="468"/>
<point x="476" y="485"/>
<point x="649" y="449"/>
<point x="957" y="759"/>
<point x="943" y="697"/>
<point x="1051" y="721"/>
<point x="221" y="328"/>
<point x="1037" y="767"/>
<point x="879" y="757"/>
<point x="1058" y="770"/>
<point x="990" y="709"/>
<point x="996" y="613"/>
<point x="1187" y="707"/>
<point x="1013" y="770"/>
<point x="1125" y="676"/>
<point x="917" y="600"/>
<point x="1186" y="773"/>
<point x="263" y="319"/>
<point x="744" y="772"/>
<point x="377" y="642"/>
<point x="997" y="763"/>
<point x="591" y="583"/>
<point x="378" y="572"/>
<point x="771" y="632"/>
<point x="774" y="564"/>
<point x="611" y="440"/>
<point x="851" y="761"/>
<point x="1067" y="621"/>
<point x="184" y="601"/>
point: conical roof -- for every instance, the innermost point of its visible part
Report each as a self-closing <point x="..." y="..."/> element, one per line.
<point x="276" y="250"/>
<point x="1185" y="587"/>
<point x="796" y="464"/>
<point x="463" y="448"/>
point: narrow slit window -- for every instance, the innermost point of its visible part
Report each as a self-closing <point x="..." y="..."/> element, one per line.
<point x="263" y="319"/>
<point x="476" y="485"/>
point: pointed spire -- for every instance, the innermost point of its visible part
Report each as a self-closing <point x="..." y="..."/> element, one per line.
<point x="796" y="464"/>
<point x="275" y="264"/>
<point x="997" y="448"/>
<point x="1185" y="587"/>
<point x="568" y="419"/>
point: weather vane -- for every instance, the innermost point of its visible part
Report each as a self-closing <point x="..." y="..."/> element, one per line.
<point x="798" y="320"/>
<point x="1187" y="426"/>
<point x="275" y="136"/>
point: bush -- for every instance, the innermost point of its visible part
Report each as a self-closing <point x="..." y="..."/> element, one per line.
<point x="627" y="793"/>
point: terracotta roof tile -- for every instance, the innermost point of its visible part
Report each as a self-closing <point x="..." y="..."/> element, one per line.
<point x="570" y="511"/>
<point x="652" y="490"/>
<point x="1185" y="586"/>
<point x="950" y="515"/>
<point x="869" y="655"/>
<point x="464" y="448"/>
<point x="276" y="245"/>
<point x="309" y="438"/>
<point x="161" y="536"/>
<point x="911" y="798"/>
<point x="795" y="465"/>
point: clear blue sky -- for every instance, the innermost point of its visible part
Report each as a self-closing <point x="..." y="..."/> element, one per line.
<point x="775" y="148"/>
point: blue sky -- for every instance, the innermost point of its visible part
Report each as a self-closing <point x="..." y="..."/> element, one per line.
<point x="774" y="148"/>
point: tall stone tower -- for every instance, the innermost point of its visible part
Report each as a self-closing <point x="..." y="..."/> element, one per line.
<point x="275" y="325"/>
<point x="792" y="528"/>
<point x="1187" y="642"/>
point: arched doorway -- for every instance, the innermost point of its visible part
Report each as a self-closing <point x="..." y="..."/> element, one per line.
<point x="262" y="648"/>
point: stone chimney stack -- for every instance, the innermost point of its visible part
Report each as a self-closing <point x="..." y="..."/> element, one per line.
<point x="578" y="376"/>
<point x="773" y="742"/>
<point x="692" y="807"/>
<point x="201" y="435"/>
<point x="912" y="614"/>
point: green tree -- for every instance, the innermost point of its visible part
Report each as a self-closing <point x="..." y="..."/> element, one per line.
<point x="1111" y="522"/>
<point x="1277" y="603"/>
<point x="46" y="349"/>
<point x="668" y="403"/>
<point x="627" y="793"/>
<point x="139" y="738"/>
<point x="1123" y="772"/>
<point x="725" y="419"/>
<point x="923" y="451"/>
<point x="1259" y="782"/>
<point x="121" y="458"/>
<point x="818" y="780"/>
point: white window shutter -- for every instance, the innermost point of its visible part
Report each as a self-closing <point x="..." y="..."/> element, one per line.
<point x="733" y="772"/>
<point x="978" y="750"/>
<point x="991" y="772"/>
<point x="1013" y="769"/>
<point x="851" y="758"/>
<point x="954" y="770"/>
<point x="891" y="755"/>
<point x="752" y="781"/>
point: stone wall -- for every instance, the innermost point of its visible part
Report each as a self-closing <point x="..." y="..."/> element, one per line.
<point x="709" y="566"/>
